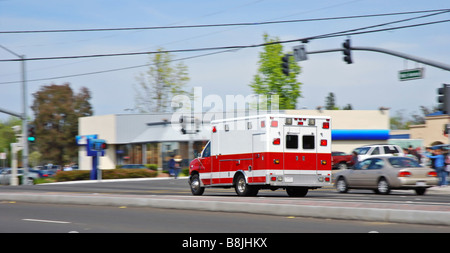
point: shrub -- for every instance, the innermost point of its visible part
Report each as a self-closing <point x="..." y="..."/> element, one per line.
<point x="152" y="166"/>
<point x="106" y="174"/>
<point x="73" y="175"/>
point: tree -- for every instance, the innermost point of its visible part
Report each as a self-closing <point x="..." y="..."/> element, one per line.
<point x="402" y="121"/>
<point x="57" y="109"/>
<point x="160" y="83"/>
<point x="270" y="79"/>
<point x="330" y="102"/>
<point x="7" y="136"/>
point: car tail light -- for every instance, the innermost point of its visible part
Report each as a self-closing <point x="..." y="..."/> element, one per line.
<point x="276" y="141"/>
<point x="432" y="174"/>
<point x="404" y="174"/>
<point x="326" y="125"/>
<point x="323" y="142"/>
<point x="274" y="123"/>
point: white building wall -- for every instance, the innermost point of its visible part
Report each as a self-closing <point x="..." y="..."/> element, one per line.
<point x="105" y="127"/>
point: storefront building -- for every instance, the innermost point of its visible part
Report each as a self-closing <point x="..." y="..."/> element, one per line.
<point x="155" y="138"/>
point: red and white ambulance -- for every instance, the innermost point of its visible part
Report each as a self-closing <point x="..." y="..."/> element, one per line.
<point x="272" y="151"/>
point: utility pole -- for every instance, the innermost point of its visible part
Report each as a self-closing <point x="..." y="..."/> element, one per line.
<point x="24" y="115"/>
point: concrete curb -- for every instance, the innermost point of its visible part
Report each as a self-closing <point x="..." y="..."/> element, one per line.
<point x="318" y="211"/>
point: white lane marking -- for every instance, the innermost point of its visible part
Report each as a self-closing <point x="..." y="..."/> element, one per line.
<point x="48" y="221"/>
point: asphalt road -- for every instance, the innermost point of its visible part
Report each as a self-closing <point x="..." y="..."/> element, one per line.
<point x="325" y="203"/>
<point x="180" y="187"/>
<point x="50" y="218"/>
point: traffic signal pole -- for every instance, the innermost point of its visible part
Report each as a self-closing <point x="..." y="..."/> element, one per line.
<point x="24" y="115"/>
<point x="429" y="62"/>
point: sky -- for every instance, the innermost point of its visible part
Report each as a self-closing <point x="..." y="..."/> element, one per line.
<point x="367" y="84"/>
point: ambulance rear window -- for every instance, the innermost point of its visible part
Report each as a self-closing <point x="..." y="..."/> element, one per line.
<point x="292" y="141"/>
<point x="308" y="142"/>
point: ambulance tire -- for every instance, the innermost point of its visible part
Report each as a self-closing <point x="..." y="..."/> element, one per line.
<point x="297" y="191"/>
<point x="243" y="189"/>
<point x="194" y="184"/>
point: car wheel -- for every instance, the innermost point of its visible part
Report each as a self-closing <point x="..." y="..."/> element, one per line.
<point x="420" y="191"/>
<point x="342" y="166"/>
<point x="383" y="187"/>
<point x="195" y="185"/>
<point x="297" y="191"/>
<point x="341" y="185"/>
<point x="243" y="189"/>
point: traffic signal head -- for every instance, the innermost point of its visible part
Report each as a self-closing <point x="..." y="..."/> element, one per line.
<point x="444" y="98"/>
<point x="31" y="134"/>
<point x="98" y="145"/>
<point x="347" y="51"/>
<point x="285" y="64"/>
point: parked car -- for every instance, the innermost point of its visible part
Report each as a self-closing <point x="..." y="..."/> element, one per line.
<point x="365" y="152"/>
<point x="341" y="160"/>
<point x="5" y="176"/>
<point x="43" y="173"/>
<point x="385" y="173"/>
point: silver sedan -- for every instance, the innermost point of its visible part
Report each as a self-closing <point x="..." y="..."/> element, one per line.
<point x="385" y="173"/>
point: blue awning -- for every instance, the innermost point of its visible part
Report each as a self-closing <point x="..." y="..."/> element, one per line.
<point x="359" y="134"/>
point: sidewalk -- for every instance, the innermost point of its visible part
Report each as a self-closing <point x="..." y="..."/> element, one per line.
<point x="439" y="190"/>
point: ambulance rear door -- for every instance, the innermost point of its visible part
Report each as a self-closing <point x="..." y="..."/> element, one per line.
<point x="300" y="152"/>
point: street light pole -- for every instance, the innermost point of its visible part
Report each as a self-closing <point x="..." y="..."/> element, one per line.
<point x="24" y="121"/>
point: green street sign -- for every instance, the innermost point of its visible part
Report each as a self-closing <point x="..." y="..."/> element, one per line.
<point x="410" y="74"/>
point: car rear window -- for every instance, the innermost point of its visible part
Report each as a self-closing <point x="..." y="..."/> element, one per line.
<point x="403" y="162"/>
<point x="391" y="150"/>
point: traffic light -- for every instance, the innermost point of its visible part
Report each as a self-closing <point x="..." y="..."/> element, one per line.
<point x="444" y="98"/>
<point x="347" y="51"/>
<point x="98" y="145"/>
<point x="285" y="64"/>
<point x="31" y="134"/>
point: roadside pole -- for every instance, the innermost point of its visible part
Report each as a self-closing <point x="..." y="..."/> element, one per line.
<point x="24" y="115"/>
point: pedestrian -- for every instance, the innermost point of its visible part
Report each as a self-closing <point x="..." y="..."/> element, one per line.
<point x="177" y="166"/>
<point x="414" y="152"/>
<point x="408" y="154"/>
<point x="440" y="167"/>
<point x="430" y="162"/>
<point x="355" y="158"/>
<point x="171" y="166"/>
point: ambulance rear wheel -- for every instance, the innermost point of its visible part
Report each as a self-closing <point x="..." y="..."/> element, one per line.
<point x="297" y="191"/>
<point x="195" y="185"/>
<point x="243" y="189"/>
